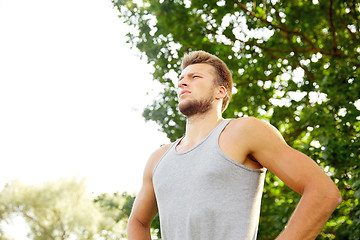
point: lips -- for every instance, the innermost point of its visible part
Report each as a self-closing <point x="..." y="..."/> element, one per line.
<point x="184" y="92"/>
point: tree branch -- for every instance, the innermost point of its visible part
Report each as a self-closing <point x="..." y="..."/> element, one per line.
<point x="308" y="73"/>
<point x="27" y="216"/>
<point x="310" y="50"/>
<point x="356" y="17"/>
<point x="281" y="50"/>
<point x="332" y="27"/>
<point x="353" y="35"/>
<point x="282" y="28"/>
<point x="355" y="63"/>
<point x="63" y="233"/>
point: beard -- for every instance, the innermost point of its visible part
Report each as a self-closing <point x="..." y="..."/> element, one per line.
<point x="190" y="108"/>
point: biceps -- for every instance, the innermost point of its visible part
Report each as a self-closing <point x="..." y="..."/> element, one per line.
<point x="145" y="207"/>
<point x="294" y="168"/>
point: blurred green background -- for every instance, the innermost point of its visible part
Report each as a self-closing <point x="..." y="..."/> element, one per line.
<point x="295" y="64"/>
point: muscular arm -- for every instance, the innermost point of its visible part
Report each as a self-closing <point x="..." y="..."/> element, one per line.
<point x="320" y="196"/>
<point x="145" y="207"/>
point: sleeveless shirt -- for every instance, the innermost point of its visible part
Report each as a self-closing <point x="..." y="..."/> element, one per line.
<point x="202" y="194"/>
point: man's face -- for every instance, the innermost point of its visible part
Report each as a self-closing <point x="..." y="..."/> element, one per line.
<point x="196" y="89"/>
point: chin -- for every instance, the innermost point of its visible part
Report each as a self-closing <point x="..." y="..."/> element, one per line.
<point x="184" y="106"/>
<point x="190" y="108"/>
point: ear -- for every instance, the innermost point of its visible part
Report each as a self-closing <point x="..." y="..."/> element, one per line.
<point x="221" y="93"/>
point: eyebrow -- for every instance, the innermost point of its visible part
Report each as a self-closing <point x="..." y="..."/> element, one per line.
<point x="190" y="74"/>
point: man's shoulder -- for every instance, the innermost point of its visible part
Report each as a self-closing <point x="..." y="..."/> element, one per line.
<point x="240" y="130"/>
<point x="156" y="156"/>
<point x="154" y="159"/>
<point x="254" y="130"/>
<point x="249" y="124"/>
<point x="158" y="153"/>
<point x="250" y="129"/>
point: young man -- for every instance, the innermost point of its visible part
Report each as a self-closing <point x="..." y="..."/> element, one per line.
<point x="208" y="184"/>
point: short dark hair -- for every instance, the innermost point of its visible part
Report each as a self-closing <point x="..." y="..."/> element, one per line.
<point x="224" y="77"/>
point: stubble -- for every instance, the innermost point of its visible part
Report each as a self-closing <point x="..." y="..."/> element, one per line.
<point x="190" y="108"/>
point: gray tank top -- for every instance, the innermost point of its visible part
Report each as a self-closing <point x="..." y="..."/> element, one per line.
<point x="202" y="194"/>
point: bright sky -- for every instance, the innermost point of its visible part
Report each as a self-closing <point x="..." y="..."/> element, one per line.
<point x="69" y="90"/>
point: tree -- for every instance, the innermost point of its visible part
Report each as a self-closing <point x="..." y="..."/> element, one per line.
<point x="119" y="206"/>
<point x="294" y="64"/>
<point x="58" y="210"/>
<point x="4" y="236"/>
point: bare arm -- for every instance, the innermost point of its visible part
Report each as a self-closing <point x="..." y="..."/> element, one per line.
<point x="320" y="196"/>
<point x="145" y="207"/>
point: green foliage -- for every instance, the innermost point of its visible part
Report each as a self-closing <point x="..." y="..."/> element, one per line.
<point x="118" y="207"/>
<point x="57" y="210"/>
<point x="294" y="64"/>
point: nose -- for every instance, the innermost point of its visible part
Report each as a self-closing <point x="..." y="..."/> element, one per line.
<point x="182" y="83"/>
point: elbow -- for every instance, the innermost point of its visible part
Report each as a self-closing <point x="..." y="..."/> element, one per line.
<point x="328" y="197"/>
<point x="337" y="197"/>
<point x="335" y="193"/>
<point x="132" y="225"/>
<point x="135" y="224"/>
<point x="334" y="196"/>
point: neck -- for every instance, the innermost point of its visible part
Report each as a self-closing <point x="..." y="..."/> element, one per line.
<point x="200" y="125"/>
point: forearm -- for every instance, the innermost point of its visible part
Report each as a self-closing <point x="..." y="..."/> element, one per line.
<point x="137" y="231"/>
<point x="310" y="216"/>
